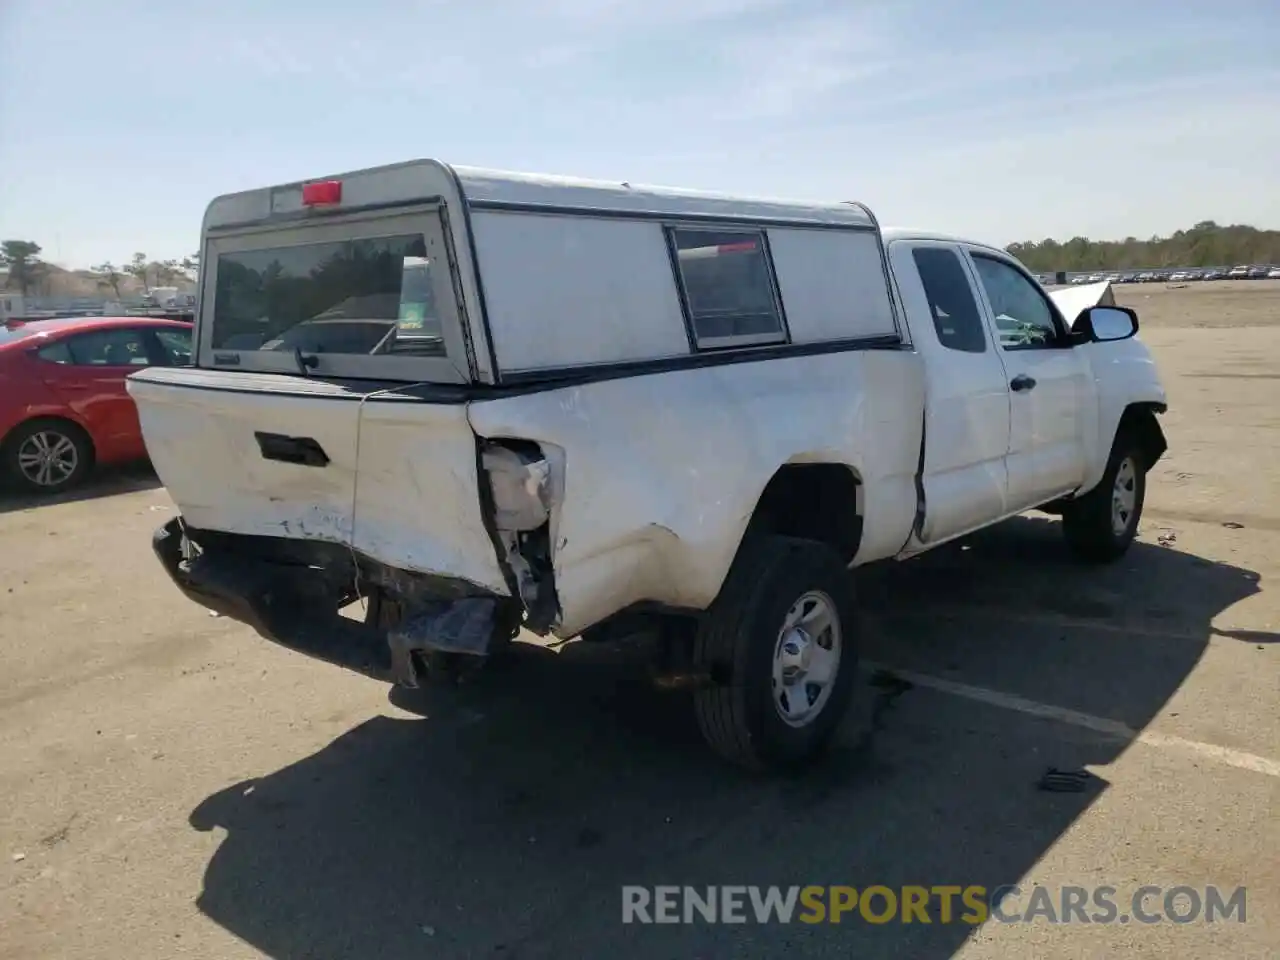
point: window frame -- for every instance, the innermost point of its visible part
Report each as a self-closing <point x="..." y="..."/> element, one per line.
<point x="975" y="294"/>
<point x="427" y="220"/>
<point x="1060" y="339"/>
<point x="698" y="344"/>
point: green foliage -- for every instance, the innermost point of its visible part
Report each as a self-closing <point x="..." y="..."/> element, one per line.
<point x="1205" y="245"/>
<point x="22" y="259"/>
<point x="140" y="269"/>
<point x="108" y="276"/>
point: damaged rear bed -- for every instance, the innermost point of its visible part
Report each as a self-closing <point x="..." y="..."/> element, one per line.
<point x="314" y="497"/>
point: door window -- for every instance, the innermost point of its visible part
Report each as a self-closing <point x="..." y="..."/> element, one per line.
<point x="116" y="347"/>
<point x="946" y="287"/>
<point x="1024" y="317"/>
<point x="175" y="346"/>
<point x="56" y="352"/>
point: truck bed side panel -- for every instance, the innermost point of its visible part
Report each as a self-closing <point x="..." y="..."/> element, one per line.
<point x="662" y="472"/>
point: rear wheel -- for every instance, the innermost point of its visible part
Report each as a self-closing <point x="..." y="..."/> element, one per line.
<point x="1101" y="525"/>
<point x="780" y="644"/>
<point x="47" y="456"/>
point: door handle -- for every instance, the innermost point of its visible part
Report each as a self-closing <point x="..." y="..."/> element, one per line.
<point x="1022" y="382"/>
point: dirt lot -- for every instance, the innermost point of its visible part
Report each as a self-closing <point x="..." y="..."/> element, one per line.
<point x="174" y="786"/>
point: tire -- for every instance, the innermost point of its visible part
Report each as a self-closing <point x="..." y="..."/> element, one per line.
<point x="742" y="638"/>
<point x="71" y="448"/>
<point x="1100" y="526"/>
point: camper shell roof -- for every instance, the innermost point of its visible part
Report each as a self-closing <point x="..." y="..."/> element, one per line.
<point x="422" y="180"/>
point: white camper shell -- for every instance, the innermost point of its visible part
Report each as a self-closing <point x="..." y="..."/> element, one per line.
<point x="487" y="401"/>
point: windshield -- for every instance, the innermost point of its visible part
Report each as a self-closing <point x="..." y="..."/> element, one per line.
<point x="366" y="296"/>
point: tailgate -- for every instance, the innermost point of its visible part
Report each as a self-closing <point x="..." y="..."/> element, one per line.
<point x="308" y="459"/>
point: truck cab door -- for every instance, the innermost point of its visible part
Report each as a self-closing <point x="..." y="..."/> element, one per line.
<point x="966" y="414"/>
<point x="1053" y="421"/>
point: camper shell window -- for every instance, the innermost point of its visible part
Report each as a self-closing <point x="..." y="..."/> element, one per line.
<point x="368" y="297"/>
<point x="727" y="286"/>
<point x="371" y="298"/>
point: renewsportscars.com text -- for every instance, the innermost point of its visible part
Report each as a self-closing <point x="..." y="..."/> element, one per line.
<point x="943" y="904"/>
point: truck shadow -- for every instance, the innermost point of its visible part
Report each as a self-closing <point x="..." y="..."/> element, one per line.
<point x="506" y="824"/>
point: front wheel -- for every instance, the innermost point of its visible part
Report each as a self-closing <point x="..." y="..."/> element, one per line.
<point x="780" y="645"/>
<point x="1100" y="525"/>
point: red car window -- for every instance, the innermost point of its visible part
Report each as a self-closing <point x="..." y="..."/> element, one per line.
<point x="115" y="348"/>
<point x="56" y="352"/>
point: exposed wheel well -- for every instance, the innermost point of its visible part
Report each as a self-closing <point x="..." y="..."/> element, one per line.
<point x="1139" y="421"/>
<point x="814" y="501"/>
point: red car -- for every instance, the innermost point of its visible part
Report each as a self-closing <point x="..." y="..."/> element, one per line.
<point x="63" y="403"/>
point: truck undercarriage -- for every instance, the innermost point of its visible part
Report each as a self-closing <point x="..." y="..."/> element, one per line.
<point x="293" y="592"/>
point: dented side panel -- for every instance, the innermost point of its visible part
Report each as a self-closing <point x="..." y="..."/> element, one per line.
<point x="653" y="479"/>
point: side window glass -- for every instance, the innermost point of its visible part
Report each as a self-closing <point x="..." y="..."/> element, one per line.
<point x="109" y="348"/>
<point x="728" y="287"/>
<point x="955" y="312"/>
<point x="57" y="352"/>
<point x="1023" y="316"/>
<point x="176" y="345"/>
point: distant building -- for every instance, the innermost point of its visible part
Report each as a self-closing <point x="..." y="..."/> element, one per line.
<point x="11" y="305"/>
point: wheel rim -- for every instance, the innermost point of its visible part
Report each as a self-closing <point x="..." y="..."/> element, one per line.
<point x="48" y="458"/>
<point x="1124" y="496"/>
<point x="806" y="659"/>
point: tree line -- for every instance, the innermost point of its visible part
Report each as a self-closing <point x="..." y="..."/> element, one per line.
<point x="1207" y="244"/>
<point x="28" y="272"/>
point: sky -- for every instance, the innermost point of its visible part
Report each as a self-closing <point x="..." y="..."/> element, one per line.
<point x="999" y="120"/>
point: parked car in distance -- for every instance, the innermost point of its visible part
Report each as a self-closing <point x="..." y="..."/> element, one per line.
<point x="63" y="403"/>
<point x="1258" y="273"/>
<point x="1238" y="273"/>
<point x="1273" y="273"/>
<point x="1214" y="274"/>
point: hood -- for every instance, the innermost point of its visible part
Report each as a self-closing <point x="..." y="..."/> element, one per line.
<point x="1072" y="300"/>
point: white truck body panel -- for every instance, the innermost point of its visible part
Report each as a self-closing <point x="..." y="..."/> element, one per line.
<point x="400" y="485"/>
<point x="966" y="416"/>
<point x="716" y="436"/>
<point x="563" y="292"/>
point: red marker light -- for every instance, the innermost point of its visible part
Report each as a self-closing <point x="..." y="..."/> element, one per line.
<point x="322" y="193"/>
<point x="746" y="246"/>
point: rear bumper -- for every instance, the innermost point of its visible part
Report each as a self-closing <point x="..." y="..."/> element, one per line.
<point x="280" y="607"/>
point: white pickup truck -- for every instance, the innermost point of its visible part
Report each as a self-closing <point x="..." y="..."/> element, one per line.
<point x="480" y="402"/>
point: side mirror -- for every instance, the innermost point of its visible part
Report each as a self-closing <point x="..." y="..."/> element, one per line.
<point x="1104" y="325"/>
